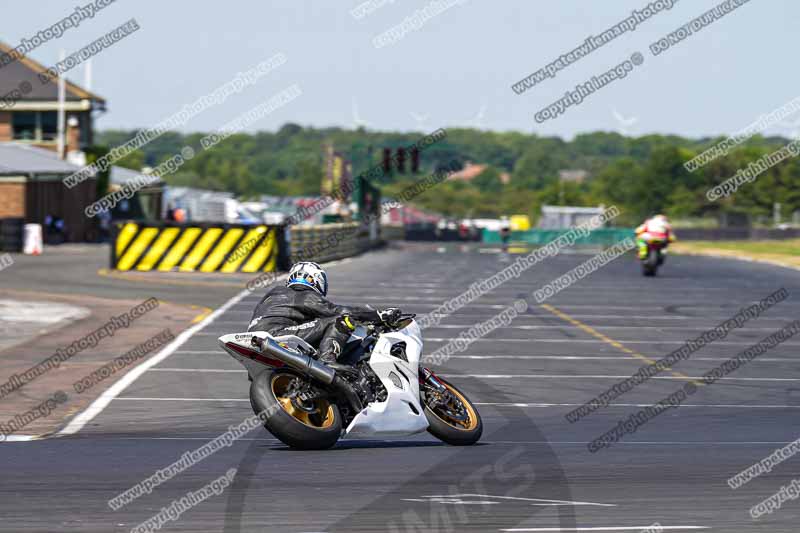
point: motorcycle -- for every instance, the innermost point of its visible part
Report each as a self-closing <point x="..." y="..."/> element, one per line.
<point x="382" y="392"/>
<point x="652" y="257"/>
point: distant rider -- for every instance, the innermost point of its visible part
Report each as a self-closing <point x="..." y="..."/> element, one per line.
<point x="654" y="230"/>
<point x="301" y="308"/>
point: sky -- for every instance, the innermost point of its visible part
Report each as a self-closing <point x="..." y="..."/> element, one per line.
<point x="455" y="69"/>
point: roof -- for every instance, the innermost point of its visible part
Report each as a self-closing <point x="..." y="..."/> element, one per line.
<point x="468" y="173"/>
<point x="17" y="158"/>
<point x="122" y="175"/>
<point x="25" y="70"/>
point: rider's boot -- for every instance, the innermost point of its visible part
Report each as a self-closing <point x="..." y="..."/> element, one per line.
<point x="331" y="345"/>
<point x="642" y="248"/>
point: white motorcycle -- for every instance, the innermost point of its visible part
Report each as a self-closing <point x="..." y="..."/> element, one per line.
<point x="385" y="393"/>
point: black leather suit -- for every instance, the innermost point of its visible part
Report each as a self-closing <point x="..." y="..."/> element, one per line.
<point x="302" y="311"/>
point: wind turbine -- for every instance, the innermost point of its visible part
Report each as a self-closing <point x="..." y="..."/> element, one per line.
<point x="358" y="122"/>
<point x="420" y="119"/>
<point x="624" y="123"/>
<point x="477" y="122"/>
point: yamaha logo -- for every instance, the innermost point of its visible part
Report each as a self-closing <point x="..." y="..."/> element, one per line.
<point x="242" y="337"/>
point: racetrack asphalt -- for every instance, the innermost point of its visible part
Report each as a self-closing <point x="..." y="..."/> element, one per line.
<point x="532" y="470"/>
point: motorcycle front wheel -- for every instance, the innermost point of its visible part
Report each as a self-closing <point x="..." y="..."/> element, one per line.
<point x="454" y="419"/>
<point x="305" y="425"/>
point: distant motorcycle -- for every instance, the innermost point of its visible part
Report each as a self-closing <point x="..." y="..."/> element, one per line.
<point x="653" y="259"/>
<point x="308" y="405"/>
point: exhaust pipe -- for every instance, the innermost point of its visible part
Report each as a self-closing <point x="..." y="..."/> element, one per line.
<point x="310" y="366"/>
<point x="303" y="363"/>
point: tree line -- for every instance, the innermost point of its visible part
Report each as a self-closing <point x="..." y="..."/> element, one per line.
<point x="641" y="175"/>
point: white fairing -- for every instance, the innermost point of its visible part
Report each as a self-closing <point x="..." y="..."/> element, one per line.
<point x="400" y="414"/>
<point x="395" y="416"/>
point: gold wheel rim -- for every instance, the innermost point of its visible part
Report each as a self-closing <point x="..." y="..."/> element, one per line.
<point x="463" y="425"/>
<point x="280" y="389"/>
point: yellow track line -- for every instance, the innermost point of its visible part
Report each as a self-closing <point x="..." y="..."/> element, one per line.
<point x="105" y="272"/>
<point x="608" y="340"/>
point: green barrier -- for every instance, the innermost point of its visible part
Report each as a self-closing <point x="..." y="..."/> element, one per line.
<point x="540" y="237"/>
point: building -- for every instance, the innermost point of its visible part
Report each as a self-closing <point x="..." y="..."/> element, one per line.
<point x="468" y="173"/>
<point x="562" y="217"/>
<point x="576" y="176"/>
<point x="472" y="171"/>
<point x="31" y="189"/>
<point x="147" y="202"/>
<point x="29" y="108"/>
<point x="31" y="170"/>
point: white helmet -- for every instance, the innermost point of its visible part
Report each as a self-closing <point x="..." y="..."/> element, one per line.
<point x="309" y="274"/>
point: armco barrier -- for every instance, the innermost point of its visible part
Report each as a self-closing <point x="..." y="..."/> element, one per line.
<point x="198" y="247"/>
<point x="327" y="242"/>
<point x="735" y="234"/>
<point x="602" y="236"/>
<point x="393" y="232"/>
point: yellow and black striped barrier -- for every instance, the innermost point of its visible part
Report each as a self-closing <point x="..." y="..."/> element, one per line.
<point x="198" y="247"/>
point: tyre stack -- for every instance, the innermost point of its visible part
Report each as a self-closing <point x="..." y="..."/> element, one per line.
<point x="11" y="234"/>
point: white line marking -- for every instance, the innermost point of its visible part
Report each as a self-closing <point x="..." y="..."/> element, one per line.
<point x="617" y="528"/>
<point x="135" y="399"/>
<point x="559" y="502"/>
<point x="97" y="406"/>
<point x="19" y="438"/>
<point x="596" y="341"/>
<point x="498" y="442"/>
<point x="495" y="404"/>
<point x="222" y="370"/>
<point x="566" y="376"/>
<point x="659" y="317"/>
<point x="710" y="406"/>
<point x="558" y="327"/>
<point x="613" y="358"/>
<point x="497" y="376"/>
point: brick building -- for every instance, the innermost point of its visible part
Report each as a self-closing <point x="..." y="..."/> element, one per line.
<point x="29" y="108"/>
<point x="31" y="170"/>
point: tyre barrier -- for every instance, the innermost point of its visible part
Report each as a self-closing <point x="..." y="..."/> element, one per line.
<point x="167" y="247"/>
<point x="11" y="230"/>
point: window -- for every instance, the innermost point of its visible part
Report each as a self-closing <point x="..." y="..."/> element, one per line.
<point x="24" y="125"/>
<point x="35" y="125"/>
<point x="49" y="124"/>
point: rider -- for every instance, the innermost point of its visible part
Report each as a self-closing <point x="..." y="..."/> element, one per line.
<point x="300" y="308"/>
<point x="654" y="230"/>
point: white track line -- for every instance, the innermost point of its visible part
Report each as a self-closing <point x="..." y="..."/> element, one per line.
<point x="567" y="376"/>
<point x="611" y="358"/>
<point x="617" y="528"/>
<point x="97" y="406"/>
<point x="498" y="442"/>
<point x="19" y="438"/>
<point x="498" y="404"/>
<point x="598" y="341"/>
<point x="494" y="376"/>
<point x="211" y="370"/>
<point x="625" y="358"/>
<point x="709" y="406"/>
<point x="560" y="327"/>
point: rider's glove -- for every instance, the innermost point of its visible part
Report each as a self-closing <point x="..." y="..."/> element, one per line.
<point x="389" y="315"/>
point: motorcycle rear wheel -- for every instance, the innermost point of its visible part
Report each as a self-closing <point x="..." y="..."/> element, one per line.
<point x="453" y="425"/>
<point x="301" y="425"/>
<point x="650" y="264"/>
